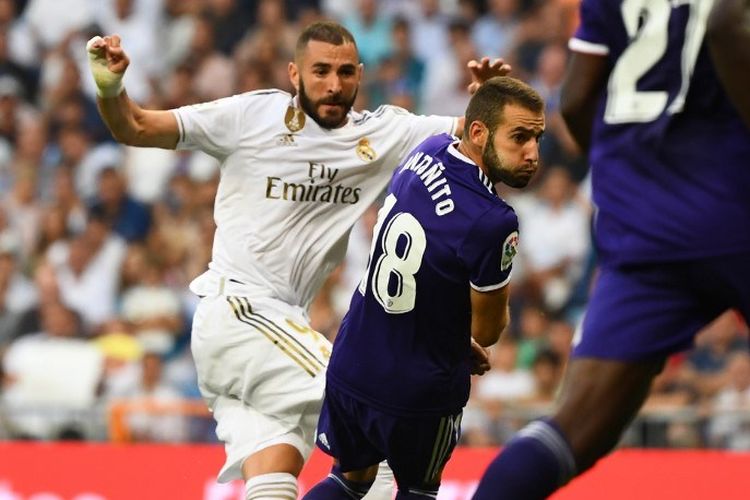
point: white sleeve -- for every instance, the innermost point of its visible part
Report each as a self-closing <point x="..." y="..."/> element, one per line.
<point x="212" y="127"/>
<point x="416" y="128"/>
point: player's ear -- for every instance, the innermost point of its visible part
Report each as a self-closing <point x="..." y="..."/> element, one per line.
<point x="360" y="71"/>
<point x="478" y="133"/>
<point x="293" y="71"/>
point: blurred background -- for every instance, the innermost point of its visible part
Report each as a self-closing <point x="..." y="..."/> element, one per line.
<point x="98" y="242"/>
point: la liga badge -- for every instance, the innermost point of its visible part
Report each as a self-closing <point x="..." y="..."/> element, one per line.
<point x="510" y="249"/>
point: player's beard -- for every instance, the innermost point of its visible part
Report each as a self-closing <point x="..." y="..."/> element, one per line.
<point x="310" y="107"/>
<point x="498" y="170"/>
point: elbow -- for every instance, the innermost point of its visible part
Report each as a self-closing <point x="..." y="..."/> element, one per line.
<point x="123" y="138"/>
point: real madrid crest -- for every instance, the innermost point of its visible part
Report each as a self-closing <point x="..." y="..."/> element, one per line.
<point x="510" y="249"/>
<point x="365" y="151"/>
<point x="294" y="119"/>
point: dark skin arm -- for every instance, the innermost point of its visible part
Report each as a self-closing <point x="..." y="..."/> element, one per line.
<point x="728" y="37"/>
<point x="585" y="78"/>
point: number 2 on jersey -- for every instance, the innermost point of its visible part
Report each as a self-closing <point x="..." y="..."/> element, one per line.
<point x="646" y="22"/>
<point x="393" y="282"/>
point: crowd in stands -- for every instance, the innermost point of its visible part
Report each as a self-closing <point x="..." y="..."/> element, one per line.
<point x="98" y="241"/>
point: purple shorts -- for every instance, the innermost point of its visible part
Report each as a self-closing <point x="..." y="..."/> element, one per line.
<point x="358" y="436"/>
<point x="641" y="312"/>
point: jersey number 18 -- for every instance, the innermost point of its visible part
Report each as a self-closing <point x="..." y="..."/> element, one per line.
<point x="393" y="283"/>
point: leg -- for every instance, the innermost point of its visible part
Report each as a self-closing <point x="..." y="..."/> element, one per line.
<point x="609" y="393"/>
<point x="382" y="488"/>
<point x="343" y="485"/>
<point x="598" y="401"/>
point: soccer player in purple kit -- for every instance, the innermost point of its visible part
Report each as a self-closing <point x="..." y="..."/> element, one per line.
<point x="434" y="292"/>
<point x="670" y="159"/>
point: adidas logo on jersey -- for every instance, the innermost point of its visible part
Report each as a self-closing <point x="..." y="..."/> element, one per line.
<point x="286" y="140"/>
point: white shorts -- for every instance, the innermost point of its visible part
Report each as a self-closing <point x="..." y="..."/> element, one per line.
<point x="261" y="370"/>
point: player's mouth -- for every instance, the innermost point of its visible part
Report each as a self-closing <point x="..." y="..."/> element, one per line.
<point x="331" y="106"/>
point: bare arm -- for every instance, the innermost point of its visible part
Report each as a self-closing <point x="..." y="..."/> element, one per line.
<point x="584" y="79"/>
<point x="489" y="315"/>
<point x="728" y="36"/>
<point x="129" y="123"/>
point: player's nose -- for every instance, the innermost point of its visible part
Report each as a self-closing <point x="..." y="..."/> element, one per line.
<point x="334" y="84"/>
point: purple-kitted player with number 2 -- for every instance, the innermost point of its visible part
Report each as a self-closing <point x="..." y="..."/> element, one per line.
<point x="670" y="159"/>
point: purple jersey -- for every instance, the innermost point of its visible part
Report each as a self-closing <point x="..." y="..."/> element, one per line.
<point x="404" y="345"/>
<point x="670" y="158"/>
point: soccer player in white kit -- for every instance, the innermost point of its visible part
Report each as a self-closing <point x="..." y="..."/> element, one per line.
<point x="296" y="174"/>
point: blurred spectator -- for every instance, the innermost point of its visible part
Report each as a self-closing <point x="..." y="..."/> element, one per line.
<point x="137" y="25"/>
<point x="547" y="371"/>
<point x="50" y="375"/>
<point x="127" y="217"/>
<point x="705" y="366"/>
<point x="532" y="325"/>
<point x="87" y="270"/>
<point x="505" y="381"/>
<point x="730" y="425"/>
<point x="555" y="229"/>
<point x="371" y="30"/>
<point x="400" y="73"/>
<point x="22" y="46"/>
<point x="148" y="305"/>
<point x="494" y="33"/>
<point x="52" y="21"/>
<point x="9" y="67"/>
<point x="22" y="209"/>
<point x="145" y="384"/>
<point x="541" y="23"/>
<point x="271" y="42"/>
<point x="17" y="293"/>
<point x="214" y="72"/>
<point x="430" y="31"/>
<point x="230" y="21"/>
<point x="446" y="79"/>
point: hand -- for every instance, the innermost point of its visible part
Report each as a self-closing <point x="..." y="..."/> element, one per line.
<point x="480" y="360"/>
<point x="482" y="70"/>
<point x="108" y="63"/>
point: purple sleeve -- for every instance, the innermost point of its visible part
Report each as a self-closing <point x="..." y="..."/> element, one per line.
<point x="596" y="25"/>
<point x="489" y="248"/>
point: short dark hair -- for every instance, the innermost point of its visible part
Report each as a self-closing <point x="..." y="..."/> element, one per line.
<point x="323" y="31"/>
<point x="488" y="102"/>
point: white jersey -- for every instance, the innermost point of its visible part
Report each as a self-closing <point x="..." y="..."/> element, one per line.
<point x="290" y="190"/>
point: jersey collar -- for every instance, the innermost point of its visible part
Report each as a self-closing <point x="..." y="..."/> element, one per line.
<point x="453" y="151"/>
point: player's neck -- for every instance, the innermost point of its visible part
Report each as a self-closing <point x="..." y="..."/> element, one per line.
<point x="469" y="152"/>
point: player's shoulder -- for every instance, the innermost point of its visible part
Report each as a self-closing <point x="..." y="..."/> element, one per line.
<point x="383" y="112"/>
<point x="269" y="97"/>
<point x="498" y="213"/>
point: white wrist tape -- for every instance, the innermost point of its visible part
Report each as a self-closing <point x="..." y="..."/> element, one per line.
<point x="108" y="83"/>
